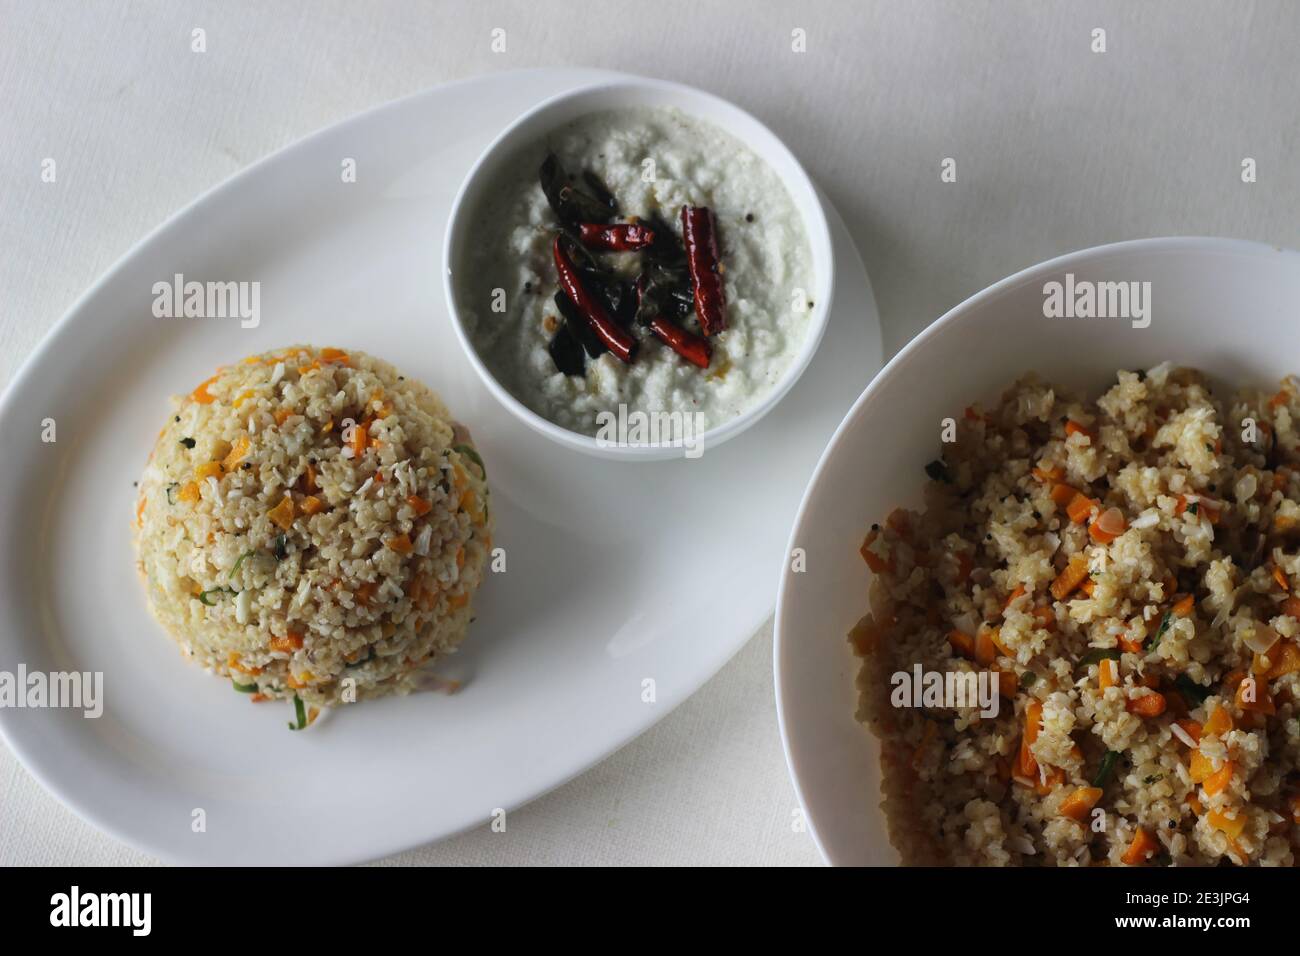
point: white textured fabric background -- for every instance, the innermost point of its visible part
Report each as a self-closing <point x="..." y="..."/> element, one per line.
<point x="1057" y="148"/>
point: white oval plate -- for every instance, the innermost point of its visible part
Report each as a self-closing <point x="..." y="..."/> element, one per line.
<point x="615" y="573"/>
<point x="1225" y="306"/>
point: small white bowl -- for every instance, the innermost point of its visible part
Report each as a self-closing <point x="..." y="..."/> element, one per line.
<point x="551" y="114"/>
<point x="1228" y="307"/>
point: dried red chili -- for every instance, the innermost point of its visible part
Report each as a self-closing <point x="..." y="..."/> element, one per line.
<point x="616" y="339"/>
<point x="699" y="233"/>
<point x="623" y="237"/>
<point x="688" y="345"/>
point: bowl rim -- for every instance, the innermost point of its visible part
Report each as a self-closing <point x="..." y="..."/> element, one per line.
<point x="795" y="179"/>
<point x="780" y="643"/>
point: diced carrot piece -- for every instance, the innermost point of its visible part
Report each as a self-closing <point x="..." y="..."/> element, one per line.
<point x="1045" y="616"/>
<point x="362" y="593"/>
<point x="309" y="480"/>
<point x="995" y="635"/>
<point x="1218" y="723"/>
<point x="1025" y="765"/>
<point x="1053" y="474"/>
<point x="201" y="394"/>
<point x="238" y="452"/>
<point x="1218" y="781"/>
<point x="1279" y="399"/>
<point x="1286" y="661"/>
<point x="1101" y="537"/>
<point x="986" y="651"/>
<point x="189" y="493"/>
<point x="1063" y="494"/>
<point x="419" y="505"/>
<point x="360" y="434"/>
<point x="1033" y="720"/>
<point x="962" y="643"/>
<point x="1019" y="592"/>
<point x="400" y="543"/>
<point x="1143" y="845"/>
<point x="1080" y="508"/>
<point x="209" y="469"/>
<point x="1107" y="673"/>
<point x="287" y="644"/>
<point x="1074" y="428"/>
<point x="1253" y="695"/>
<point x="1200" y="768"/>
<point x="1049" y="781"/>
<point x="1191" y="728"/>
<point x="1183" y="605"/>
<point x="1148" y="705"/>
<point x="1008" y="684"/>
<point x="1088" y="586"/>
<point x="282" y="514"/>
<point x="458" y="600"/>
<point x="311" y="505"/>
<point x="1232" y="826"/>
<point x="1291" y="607"/>
<point x="1129" y="645"/>
<point x="1079" y="804"/>
<point x="235" y="664"/>
<point x="1069" y="580"/>
<point x="334" y="355"/>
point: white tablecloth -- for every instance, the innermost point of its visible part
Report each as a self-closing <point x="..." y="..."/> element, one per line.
<point x="1056" y="146"/>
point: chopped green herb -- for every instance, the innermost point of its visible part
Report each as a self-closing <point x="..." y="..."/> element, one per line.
<point x="1192" y="691"/>
<point x="1027" y="678"/>
<point x="300" y="712"/>
<point x="1153" y="778"/>
<point x="243" y="688"/>
<point x="246" y="554"/>
<point x="1194" y="507"/>
<point x="470" y="453"/>
<point x="1164" y="626"/>
<point x="188" y="442"/>
<point x="281" y="550"/>
<point x="171" y="488"/>
<point x="1099" y="654"/>
<point x="937" y="470"/>
<point x="1107" y="767"/>
<point x="203" y="595"/>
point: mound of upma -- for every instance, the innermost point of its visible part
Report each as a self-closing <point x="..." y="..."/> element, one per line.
<point x="1125" y="569"/>
<point x="313" y="525"/>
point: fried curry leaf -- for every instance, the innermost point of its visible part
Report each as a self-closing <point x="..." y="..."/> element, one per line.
<point x="569" y="202"/>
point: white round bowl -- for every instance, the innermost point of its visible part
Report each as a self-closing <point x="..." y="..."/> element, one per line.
<point x="532" y="128"/>
<point x="1228" y="307"/>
